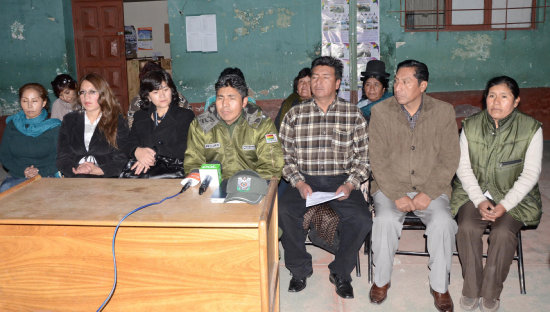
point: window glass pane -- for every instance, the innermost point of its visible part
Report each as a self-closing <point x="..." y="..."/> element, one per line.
<point x="469" y="17"/>
<point x="516" y="18"/>
<point x="423" y="14"/>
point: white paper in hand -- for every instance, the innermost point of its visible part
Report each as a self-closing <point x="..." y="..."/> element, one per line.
<point x="320" y="197"/>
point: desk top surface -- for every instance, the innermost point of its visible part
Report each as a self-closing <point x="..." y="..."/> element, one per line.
<point x="103" y="202"/>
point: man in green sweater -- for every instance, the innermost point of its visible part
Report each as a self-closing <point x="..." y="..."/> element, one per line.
<point x="235" y="133"/>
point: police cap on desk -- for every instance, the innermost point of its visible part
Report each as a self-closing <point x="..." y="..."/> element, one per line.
<point x="246" y="186"/>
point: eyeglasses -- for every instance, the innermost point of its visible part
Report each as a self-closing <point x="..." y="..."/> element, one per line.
<point x="90" y="92"/>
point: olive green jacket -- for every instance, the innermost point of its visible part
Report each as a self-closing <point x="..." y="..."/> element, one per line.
<point x="253" y="143"/>
<point x="497" y="156"/>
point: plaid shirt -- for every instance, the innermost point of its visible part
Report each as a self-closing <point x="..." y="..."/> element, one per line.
<point x="414" y="118"/>
<point x="315" y="143"/>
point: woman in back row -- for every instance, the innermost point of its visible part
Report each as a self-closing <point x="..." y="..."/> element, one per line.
<point x="91" y="142"/>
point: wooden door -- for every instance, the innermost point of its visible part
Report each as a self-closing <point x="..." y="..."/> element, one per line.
<point x="99" y="43"/>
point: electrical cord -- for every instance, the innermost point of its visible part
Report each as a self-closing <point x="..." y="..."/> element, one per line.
<point x="113" y="245"/>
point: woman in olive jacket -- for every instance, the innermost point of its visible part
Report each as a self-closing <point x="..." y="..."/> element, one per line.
<point x="500" y="165"/>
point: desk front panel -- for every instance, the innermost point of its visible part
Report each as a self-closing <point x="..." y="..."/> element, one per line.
<point x="70" y="268"/>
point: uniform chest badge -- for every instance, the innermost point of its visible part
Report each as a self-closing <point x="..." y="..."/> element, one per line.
<point x="271" y="138"/>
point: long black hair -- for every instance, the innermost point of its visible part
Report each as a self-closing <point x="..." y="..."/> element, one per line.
<point x="152" y="81"/>
<point x="62" y="82"/>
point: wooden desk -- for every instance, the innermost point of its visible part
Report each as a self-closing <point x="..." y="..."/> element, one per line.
<point x="185" y="254"/>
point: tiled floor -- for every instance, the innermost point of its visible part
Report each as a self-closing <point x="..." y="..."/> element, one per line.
<point x="410" y="288"/>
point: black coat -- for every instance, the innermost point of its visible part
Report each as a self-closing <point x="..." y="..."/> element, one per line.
<point x="71" y="148"/>
<point x="169" y="138"/>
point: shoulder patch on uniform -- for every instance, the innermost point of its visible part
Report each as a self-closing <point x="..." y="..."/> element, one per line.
<point x="271" y="138"/>
<point x="212" y="145"/>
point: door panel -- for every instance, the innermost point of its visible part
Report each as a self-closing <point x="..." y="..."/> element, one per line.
<point x="99" y="43"/>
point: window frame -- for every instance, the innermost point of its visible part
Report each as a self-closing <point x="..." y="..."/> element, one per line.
<point x="487" y="20"/>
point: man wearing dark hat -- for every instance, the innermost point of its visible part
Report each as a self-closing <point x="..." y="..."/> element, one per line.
<point x="375" y="86"/>
<point x="324" y="143"/>
<point x="414" y="155"/>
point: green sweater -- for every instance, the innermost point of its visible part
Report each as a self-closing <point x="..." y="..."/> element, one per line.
<point x="18" y="151"/>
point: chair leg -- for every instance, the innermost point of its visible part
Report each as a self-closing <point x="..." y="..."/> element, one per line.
<point x="358" y="265"/>
<point x="521" y="271"/>
<point x="370" y="260"/>
<point x="425" y="243"/>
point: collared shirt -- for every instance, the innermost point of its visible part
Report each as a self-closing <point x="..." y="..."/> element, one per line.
<point x="331" y="143"/>
<point x="89" y="129"/>
<point x="232" y="126"/>
<point x="414" y="118"/>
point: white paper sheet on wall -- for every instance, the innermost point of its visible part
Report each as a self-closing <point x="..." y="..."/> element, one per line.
<point x="201" y="33"/>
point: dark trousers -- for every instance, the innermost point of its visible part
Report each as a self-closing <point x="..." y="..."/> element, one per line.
<point x="355" y="224"/>
<point x="485" y="281"/>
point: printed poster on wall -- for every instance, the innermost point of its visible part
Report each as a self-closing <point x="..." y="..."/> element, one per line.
<point x="335" y="32"/>
<point x="201" y="33"/>
<point x="130" y="37"/>
<point x="145" y="38"/>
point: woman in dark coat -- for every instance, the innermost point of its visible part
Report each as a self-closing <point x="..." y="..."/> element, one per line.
<point x="160" y="127"/>
<point x="91" y="142"/>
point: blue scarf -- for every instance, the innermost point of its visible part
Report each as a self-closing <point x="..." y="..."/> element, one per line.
<point x="33" y="127"/>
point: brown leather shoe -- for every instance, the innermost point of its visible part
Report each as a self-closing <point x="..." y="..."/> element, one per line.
<point x="443" y="302"/>
<point x="378" y="294"/>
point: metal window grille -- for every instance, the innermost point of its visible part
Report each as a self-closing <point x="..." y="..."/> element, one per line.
<point x="457" y="15"/>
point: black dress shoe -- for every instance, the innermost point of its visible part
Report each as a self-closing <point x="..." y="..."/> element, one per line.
<point x="297" y="284"/>
<point x="343" y="288"/>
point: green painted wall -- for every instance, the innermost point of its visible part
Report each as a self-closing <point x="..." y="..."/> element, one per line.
<point x="467" y="60"/>
<point x="36" y="44"/>
<point x="270" y="41"/>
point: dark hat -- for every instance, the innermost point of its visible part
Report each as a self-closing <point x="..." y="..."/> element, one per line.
<point x="247" y="186"/>
<point x="375" y="67"/>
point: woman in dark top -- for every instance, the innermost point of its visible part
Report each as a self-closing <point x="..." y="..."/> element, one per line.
<point x="160" y="127"/>
<point x="91" y="142"/>
<point x="30" y="138"/>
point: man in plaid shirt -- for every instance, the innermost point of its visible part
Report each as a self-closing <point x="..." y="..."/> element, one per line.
<point x="325" y="147"/>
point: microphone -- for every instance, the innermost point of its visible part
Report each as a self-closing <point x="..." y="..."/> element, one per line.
<point x="204" y="185"/>
<point x="186" y="186"/>
<point x="210" y="173"/>
<point x="192" y="179"/>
